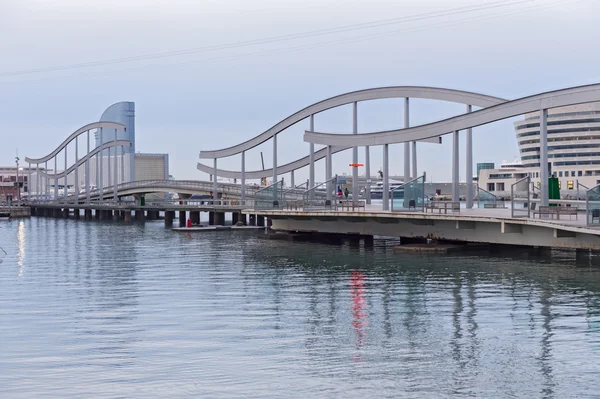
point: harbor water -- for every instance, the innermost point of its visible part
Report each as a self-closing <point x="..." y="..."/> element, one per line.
<point x="115" y="310"/>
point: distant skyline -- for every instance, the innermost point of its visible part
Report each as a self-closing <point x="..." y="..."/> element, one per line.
<point x="197" y="98"/>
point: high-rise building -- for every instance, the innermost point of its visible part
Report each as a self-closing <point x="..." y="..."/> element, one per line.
<point x="122" y="112"/>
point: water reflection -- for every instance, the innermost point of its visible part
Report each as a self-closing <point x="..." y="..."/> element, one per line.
<point x="359" y="314"/>
<point x="21" y="248"/>
<point x="143" y="311"/>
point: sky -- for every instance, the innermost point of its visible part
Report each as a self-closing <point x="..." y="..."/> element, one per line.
<point x="208" y="74"/>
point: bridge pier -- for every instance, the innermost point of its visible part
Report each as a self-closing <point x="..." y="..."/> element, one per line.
<point x="102" y="214"/>
<point x="96" y="214"/>
<point x="127" y="216"/>
<point x="33" y="210"/>
<point x="195" y="217"/>
<point x="260" y="220"/>
<point x="182" y="218"/>
<point x="169" y="216"/>
<point x="116" y="215"/>
<point x="139" y="215"/>
<point x="220" y="218"/>
<point x="66" y="213"/>
<point x="211" y="218"/>
<point x="76" y="213"/>
<point x="88" y="214"/>
<point x="152" y="215"/>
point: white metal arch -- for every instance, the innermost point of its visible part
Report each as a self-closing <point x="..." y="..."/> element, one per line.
<point x="81" y="130"/>
<point x="432" y="93"/>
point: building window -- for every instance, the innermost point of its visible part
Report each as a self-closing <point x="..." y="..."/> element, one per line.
<point x="560" y="174"/>
<point x="537" y="174"/>
<point x="572" y="173"/>
<point x="570" y="185"/>
<point x="579" y="173"/>
<point x="588" y="172"/>
<point x="491" y="187"/>
<point x="500" y="186"/>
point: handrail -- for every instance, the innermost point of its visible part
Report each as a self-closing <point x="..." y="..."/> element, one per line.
<point x="525" y="200"/>
<point x="403" y="187"/>
<point x="495" y="198"/>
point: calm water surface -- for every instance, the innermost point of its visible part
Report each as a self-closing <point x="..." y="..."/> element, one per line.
<point x="103" y="310"/>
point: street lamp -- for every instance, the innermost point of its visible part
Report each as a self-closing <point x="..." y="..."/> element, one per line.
<point x="18" y="186"/>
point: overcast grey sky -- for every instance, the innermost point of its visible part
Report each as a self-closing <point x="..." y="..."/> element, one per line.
<point x="212" y="99"/>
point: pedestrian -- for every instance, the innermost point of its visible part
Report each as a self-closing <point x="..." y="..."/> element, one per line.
<point x="346" y="192"/>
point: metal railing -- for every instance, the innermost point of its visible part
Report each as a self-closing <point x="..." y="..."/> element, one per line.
<point x="592" y="206"/>
<point x="199" y="186"/>
<point x="321" y="196"/>
<point x="485" y="197"/>
<point x="521" y="205"/>
<point x="409" y="196"/>
<point x="586" y="188"/>
<point x="270" y="197"/>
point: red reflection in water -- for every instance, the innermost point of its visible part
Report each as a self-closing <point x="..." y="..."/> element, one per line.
<point x="357" y="288"/>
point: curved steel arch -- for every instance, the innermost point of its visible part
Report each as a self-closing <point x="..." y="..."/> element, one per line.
<point x="430" y="93"/>
<point x="81" y="161"/>
<point x="509" y="109"/>
<point x="81" y="130"/>
<point x="257" y="174"/>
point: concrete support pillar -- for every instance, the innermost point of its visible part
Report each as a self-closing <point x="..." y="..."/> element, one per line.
<point x="214" y="176"/>
<point x="127" y="216"/>
<point x="88" y="214"/>
<point x="328" y="171"/>
<point x="252" y="220"/>
<point x="243" y="193"/>
<point x="292" y="183"/>
<point x="55" y="180"/>
<point x="544" y="157"/>
<point x="220" y="218"/>
<point x="139" y="215"/>
<point x="260" y="220"/>
<point x="368" y="174"/>
<point x="66" y="193"/>
<point x="195" y="217"/>
<point x="76" y="182"/>
<point x="407" y="175"/>
<point x="169" y="216"/>
<point x="386" y="178"/>
<point x="469" y="164"/>
<point x="101" y="179"/>
<point x="311" y="156"/>
<point x="455" y="169"/>
<point x="56" y="212"/>
<point x="414" y="160"/>
<point x="66" y="213"/>
<point x="76" y="213"/>
<point x="275" y="161"/>
<point x="355" y="185"/>
<point x="116" y="215"/>
<point x="96" y="214"/>
<point x="87" y="171"/>
<point x="46" y="180"/>
<point x="116" y="171"/>
<point x="182" y="218"/>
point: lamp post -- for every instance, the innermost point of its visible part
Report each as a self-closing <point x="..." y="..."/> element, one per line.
<point x="18" y="187"/>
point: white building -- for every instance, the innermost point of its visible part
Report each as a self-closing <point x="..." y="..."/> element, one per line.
<point x="573" y="151"/>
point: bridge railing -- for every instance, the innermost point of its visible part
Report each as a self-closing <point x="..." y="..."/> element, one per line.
<point x="520" y="198"/>
<point x="270" y="197"/>
<point x="484" y="198"/>
<point x="409" y="196"/>
<point x="321" y="196"/>
<point x="108" y="192"/>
